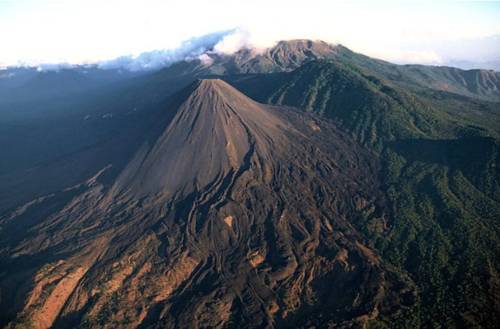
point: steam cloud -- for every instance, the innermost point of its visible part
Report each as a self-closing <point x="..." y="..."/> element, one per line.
<point x="190" y="49"/>
<point x="221" y="42"/>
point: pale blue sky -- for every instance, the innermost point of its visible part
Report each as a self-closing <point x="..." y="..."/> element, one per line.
<point x="76" y="31"/>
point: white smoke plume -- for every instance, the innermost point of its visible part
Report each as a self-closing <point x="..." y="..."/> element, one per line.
<point x="190" y="49"/>
<point x="233" y="42"/>
<point x="195" y="48"/>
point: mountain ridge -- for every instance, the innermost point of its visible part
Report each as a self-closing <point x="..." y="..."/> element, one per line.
<point x="289" y="55"/>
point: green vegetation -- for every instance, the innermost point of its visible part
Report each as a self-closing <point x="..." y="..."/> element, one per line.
<point x="440" y="156"/>
<point x="445" y="234"/>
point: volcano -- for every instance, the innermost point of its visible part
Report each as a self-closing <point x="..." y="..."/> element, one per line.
<point x="231" y="212"/>
<point x="213" y="135"/>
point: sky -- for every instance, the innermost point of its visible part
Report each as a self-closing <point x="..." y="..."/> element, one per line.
<point x="33" y="32"/>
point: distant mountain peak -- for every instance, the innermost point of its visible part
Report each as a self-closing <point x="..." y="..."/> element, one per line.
<point x="319" y="46"/>
<point x="284" y="56"/>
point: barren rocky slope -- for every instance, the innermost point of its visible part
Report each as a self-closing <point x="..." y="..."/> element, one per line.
<point x="231" y="213"/>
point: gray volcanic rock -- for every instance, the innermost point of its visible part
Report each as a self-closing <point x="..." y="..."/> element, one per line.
<point x="211" y="134"/>
<point x="233" y="214"/>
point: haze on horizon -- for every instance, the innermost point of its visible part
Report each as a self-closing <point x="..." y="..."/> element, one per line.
<point x="464" y="34"/>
